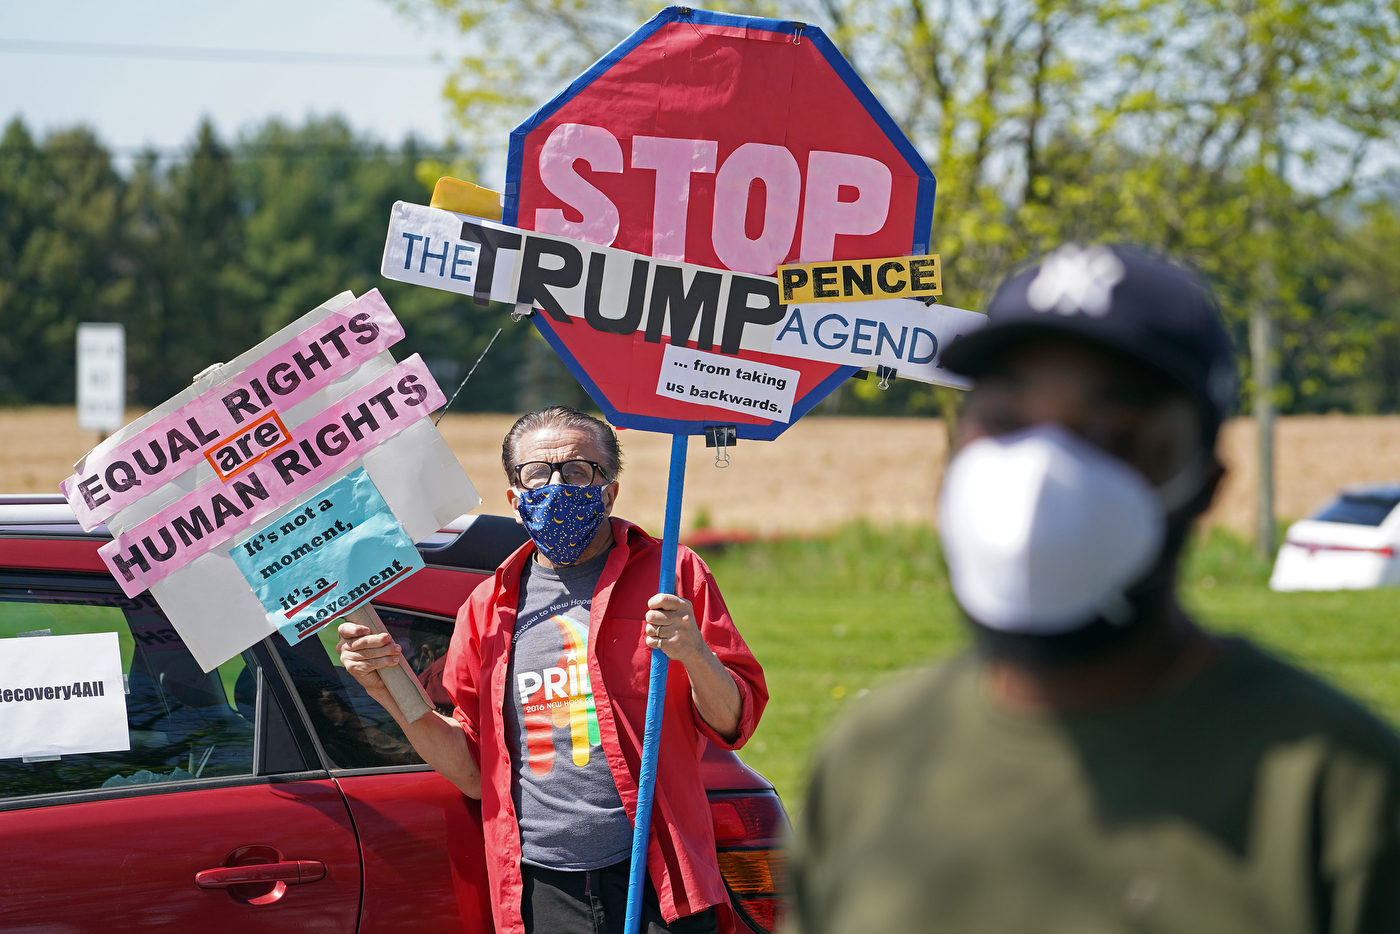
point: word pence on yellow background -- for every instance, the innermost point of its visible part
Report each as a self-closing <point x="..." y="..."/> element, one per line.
<point x="861" y="279"/>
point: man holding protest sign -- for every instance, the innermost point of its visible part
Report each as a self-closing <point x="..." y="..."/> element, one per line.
<point x="549" y="669"/>
<point x="1101" y="763"/>
<point x="647" y="211"/>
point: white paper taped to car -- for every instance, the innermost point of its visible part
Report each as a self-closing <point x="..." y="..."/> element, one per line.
<point x="62" y="695"/>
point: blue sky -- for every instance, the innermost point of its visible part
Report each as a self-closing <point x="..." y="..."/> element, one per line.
<point x="142" y="99"/>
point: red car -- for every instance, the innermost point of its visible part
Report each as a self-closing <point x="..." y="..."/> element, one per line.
<point x="271" y="793"/>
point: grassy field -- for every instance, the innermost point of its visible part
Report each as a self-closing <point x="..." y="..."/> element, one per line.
<point x="834" y="618"/>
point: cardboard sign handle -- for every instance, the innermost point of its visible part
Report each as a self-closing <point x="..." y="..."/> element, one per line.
<point x="656" y="693"/>
<point x="402" y="683"/>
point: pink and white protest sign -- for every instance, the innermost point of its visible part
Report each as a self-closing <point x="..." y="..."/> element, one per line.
<point x="249" y="442"/>
<point x="321" y="446"/>
<point x="119" y="474"/>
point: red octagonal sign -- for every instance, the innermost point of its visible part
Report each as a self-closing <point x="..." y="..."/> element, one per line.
<point x="722" y="141"/>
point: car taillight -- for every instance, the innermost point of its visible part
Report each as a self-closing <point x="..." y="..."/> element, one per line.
<point x="1313" y="548"/>
<point x="749" y="832"/>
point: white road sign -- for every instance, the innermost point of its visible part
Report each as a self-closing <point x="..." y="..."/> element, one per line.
<point x="101" y="376"/>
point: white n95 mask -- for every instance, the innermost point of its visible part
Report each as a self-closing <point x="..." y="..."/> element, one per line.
<point x="1044" y="532"/>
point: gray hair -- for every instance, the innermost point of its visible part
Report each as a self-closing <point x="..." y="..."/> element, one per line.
<point x="562" y="416"/>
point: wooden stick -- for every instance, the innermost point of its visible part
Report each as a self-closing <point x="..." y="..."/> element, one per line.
<point x="402" y="683"/>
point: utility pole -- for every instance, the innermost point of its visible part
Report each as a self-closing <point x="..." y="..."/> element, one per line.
<point x="1261" y="346"/>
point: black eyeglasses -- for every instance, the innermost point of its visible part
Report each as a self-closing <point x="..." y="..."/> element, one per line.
<point x="532" y="475"/>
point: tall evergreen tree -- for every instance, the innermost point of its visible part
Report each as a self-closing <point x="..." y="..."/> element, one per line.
<point x="60" y="203"/>
<point x="197" y="311"/>
<point x="318" y="199"/>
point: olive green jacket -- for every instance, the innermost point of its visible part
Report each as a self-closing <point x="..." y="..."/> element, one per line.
<point x="1253" y="799"/>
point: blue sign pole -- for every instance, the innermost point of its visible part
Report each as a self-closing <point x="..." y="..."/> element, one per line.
<point x="656" y="693"/>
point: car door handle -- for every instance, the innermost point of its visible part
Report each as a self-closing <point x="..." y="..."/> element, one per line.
<point x="290" y="871"/>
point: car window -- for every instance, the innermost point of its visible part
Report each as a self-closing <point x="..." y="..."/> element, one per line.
<point x="355" y="731"/>
<point x="184" y="724"/>
<point x="1359" y="508"/>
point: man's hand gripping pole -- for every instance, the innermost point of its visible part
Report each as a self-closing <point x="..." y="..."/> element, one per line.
<point x="399" y="679"/>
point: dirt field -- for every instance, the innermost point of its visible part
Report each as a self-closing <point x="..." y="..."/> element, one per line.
<point x="819" y="474"/>
<point x="1314" y="456"/>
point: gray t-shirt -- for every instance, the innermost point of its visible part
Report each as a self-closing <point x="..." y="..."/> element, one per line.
<point x="571" y="816"/>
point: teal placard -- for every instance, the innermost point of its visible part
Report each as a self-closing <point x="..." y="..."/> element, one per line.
<point x="326" y="556"/>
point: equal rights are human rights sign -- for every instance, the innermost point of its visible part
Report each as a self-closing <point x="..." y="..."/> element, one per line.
<point x="252" y="441"/>
<point x="330" y="441"/>
<point x="221" y="425"/>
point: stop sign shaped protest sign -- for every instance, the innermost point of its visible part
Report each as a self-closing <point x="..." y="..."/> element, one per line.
<point x="722" y="141"/>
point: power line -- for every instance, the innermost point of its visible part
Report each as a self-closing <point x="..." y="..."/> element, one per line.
<point x="238" y="150"/>
<point x="183" y="53"/>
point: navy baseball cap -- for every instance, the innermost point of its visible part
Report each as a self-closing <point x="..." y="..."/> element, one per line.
<point x="1123" y="300"/>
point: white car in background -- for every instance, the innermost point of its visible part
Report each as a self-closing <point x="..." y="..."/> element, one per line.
<point x="1352" y="543"/>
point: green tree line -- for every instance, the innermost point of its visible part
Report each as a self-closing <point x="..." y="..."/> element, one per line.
<point x="1247" y="138"/>
<point x="202" y="255"/>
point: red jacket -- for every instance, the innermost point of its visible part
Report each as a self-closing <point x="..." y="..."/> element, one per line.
<point x="681" y="854"/>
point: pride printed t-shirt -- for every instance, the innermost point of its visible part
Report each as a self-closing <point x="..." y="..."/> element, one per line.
<point x="570" y="814"/>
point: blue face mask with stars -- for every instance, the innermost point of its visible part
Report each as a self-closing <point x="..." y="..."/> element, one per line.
<point x="562" y="519"/>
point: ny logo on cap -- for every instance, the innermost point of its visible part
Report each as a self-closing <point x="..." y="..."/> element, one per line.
<point x="1076" y="280"/>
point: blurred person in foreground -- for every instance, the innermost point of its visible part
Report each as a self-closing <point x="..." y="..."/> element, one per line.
<point x="1098" y="762"/>
<point x="548" y="669"/>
